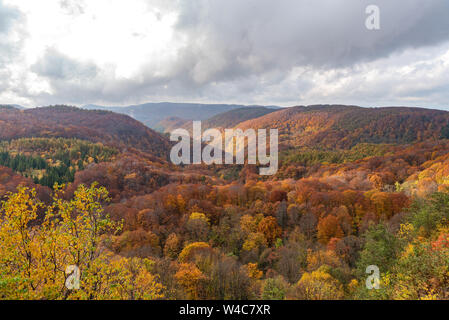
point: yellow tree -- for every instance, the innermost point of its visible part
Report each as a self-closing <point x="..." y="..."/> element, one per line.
<point x="35" y="253"/>
<point x="318" y="285"/>
<point x="21" y="270"/>
<point x="191" y="279"/>
<point x="270" y="229"/>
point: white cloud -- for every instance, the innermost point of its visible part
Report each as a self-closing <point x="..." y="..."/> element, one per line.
<point x="255" y="51"/>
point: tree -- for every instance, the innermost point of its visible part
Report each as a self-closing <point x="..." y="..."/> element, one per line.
<point x="254" y="241"/>
<point x="328" y="228"/>
<point x="307" y="224"/>
<point x="270" y="229"/>
<point x="274" y="289"/>
<point x="191" y="279"/>
<point x="380" y="249"/>
<point x="34" y="255"/>
<point x="248" y="224"/>
<point x="253" y="271"/>
<point x="318" y="285"/>
<point x="172" y="246"/>
<point x="198" y="226"/>
<point x="192" y="249"/>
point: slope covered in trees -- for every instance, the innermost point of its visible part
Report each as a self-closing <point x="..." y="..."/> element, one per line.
<point x="335" y="126"/>
<point x="152" y="113"/>
<point x="171" y="123"/>
<point x="49" y="161"/>
<point x="365" y="187"/>
<point x="69" y="122"/>
<point x="223" y="120"/>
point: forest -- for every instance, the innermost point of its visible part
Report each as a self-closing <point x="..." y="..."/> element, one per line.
<point x="355" y="188"/>
<point x="52" y="160"/>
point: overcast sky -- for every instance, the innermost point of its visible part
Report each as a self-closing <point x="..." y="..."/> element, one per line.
<point x="283" y="52"/>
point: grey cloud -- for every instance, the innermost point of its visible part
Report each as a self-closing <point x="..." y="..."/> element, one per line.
<point x="57" y="66"/>
<point x="73" y="81"/>
<point x="9" y="45"/>
<point x="233" y="38"/>
<point x="8" y="17"/>
<point x="72" y="7"/>
<point x="247" y="51"/>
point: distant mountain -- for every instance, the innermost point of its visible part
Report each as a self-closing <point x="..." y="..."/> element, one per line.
<point x="70" y="122"/>
<point x="11" y="106"/>
<point x="171" y="123"/>
<point x="232" y="118"/>
<point x="227" y="119"/>
<point x="152" y="113"/>
<point x="338" y="126"/>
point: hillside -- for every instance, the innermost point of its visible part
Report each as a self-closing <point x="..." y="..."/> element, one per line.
<point x="69" y="122"/>
<point x="355" y="186"/>
<point x="232" y="118"/>
<point x="171" y="123"/>
<point x="337" y="126"/>
<point x="10" y="107"/>
<point x="48" y="161"/>
<point x="152" y="113"/>
<point x="228" y="119"/>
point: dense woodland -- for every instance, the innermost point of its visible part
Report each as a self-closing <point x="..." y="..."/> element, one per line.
<point x="55" y="160"/>
<point x="356" y="187"/>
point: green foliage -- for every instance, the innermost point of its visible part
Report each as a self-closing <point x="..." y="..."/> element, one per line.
<point x="274" y="289"/>
<point x="50" y="161"/>
<point x="309" y="157"/>
<point x="427" y="214"/>
<point x="34" y="257"/>
<point x="445" y="132"/>
<point x="381" y="249"/>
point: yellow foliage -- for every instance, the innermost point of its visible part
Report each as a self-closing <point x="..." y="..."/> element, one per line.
<point x="254" y="241"/>
<point x="406" y="231"/>
<point x="190" y="278"/>
<point x="191" y="249"/>
<point x="199" y="216"/>
<point x="253" y="271"/>
<point x="353" y="285"/>
<point x="33" y="259"/>
<point x="319" y="285"/>
<point x="248" y="223"/>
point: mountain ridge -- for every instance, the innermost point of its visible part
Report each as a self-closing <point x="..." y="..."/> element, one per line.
<point x="151" y="114"/>
<point x="343" y="126"/>
<point x="110" y="128"/>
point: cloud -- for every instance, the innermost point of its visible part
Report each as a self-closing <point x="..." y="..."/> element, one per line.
<point x="7" y="15"/>
<point x="10" y="42"/>
<point x="72" y="7"/>
<point x="57" y="66"/>
<point x="233" y="38"/>
<point x="255" y="51"/>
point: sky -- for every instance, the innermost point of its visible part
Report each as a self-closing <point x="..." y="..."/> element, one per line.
<point x="266" y="52"/>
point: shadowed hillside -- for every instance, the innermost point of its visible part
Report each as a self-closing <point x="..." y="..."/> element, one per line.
<point x="152" y="113"/>
<point x="69" y="122"/>
<point x="227" y="119"/>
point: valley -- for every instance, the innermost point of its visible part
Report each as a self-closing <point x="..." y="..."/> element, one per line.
<point x="355" y="187"/>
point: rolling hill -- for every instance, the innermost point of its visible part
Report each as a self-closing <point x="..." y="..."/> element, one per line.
<point x="171" y="123"/>
<point x="151" y="114"/>
<point x="338" y="126"/>
<point x="109" y="128"/>
<point x="232" y="118"/>
<point x="227" y="119"/>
